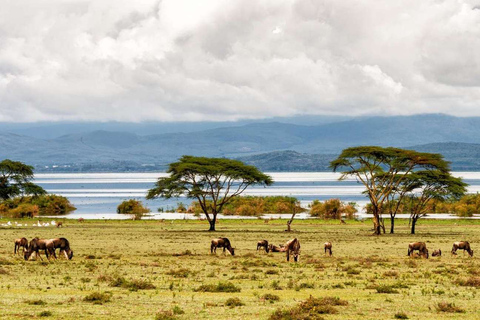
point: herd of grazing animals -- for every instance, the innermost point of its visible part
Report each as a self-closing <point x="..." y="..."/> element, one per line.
<point x="292" y="247"/>
<point x="48" y="245"/>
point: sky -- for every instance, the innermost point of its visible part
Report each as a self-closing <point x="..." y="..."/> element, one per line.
<point x="223" y="60"/>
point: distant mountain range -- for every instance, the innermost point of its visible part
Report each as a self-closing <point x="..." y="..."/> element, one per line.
<point x="273" y="146"/>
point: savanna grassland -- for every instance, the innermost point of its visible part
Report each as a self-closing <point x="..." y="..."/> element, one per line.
<point x="164" y="270"/>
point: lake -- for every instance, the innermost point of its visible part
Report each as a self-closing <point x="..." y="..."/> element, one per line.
<point x="97" y="195"/>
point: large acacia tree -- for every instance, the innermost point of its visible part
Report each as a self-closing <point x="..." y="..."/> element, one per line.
<point x="383" y="170"/>
<point x="213" y="182"/>
<point x="16" y="179"/>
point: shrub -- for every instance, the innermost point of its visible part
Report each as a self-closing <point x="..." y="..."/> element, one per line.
<point x="401" y="315"/>
<point x="270" y="297"/>
<point x="312" y="308"/>
<point x="165" y="315"/>
<point x="36" y="302"/>
<point x="385" y="289"/>
<point x="21" y="207"/>
<point x="220" y="287"/>
<point x="133" y="285"/>
<point x="97" y="297"/>
<point x="332" y="209"/>
<point x="179" y="273"/>
<point x="133" y="207"/>
<point x="234" y="302"/>
<point x="177" y="310"/>
<point x="45" y="314"/>
<point x="448" y="307"/>
<point x="470" y="282"/>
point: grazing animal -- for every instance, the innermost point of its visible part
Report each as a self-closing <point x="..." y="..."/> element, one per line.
<point x="221" y="243"/>
<point x="64" y="246"/>
<point x="328" y="247"/>
<point x="292" y="247"/>
<point x="37" y="244"/>
<point x="420" y="246"/>
<point x="342" y="221"/>
<point x="20" y="243"/>
<point x="462" y="245"/>
<point x="437" y="253"/>
<point x="59" y="224"/>
<point x="274" y="248"/>
<point x="80" y="219"/>
<point x="263" y="244"/>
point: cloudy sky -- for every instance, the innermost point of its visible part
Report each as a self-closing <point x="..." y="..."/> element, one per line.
<point x="170" y="60"/>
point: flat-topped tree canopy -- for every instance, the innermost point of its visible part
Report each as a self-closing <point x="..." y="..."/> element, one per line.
<point x="212" y="181"/>
<point x="15" y="180"/>
<point x="383" y="169"/>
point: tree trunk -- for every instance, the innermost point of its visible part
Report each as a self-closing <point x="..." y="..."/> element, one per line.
<point x="377" y="227"/>
<point x="392" y="223"/>
<point x="414" y="221"/>
<point x="212" y="223"/>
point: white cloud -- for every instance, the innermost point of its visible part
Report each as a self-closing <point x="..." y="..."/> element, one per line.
<point x="222" y="60"/>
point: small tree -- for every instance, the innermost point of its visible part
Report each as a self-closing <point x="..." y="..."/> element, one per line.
<point x="332" y="209"/>
<point x="431" y="185"/>
<point x="213" y="182"/>
<point x="133" y="207"/>
<point x="15" y="180"/>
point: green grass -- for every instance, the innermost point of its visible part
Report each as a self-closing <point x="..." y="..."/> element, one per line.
<point x="164" y="270"/>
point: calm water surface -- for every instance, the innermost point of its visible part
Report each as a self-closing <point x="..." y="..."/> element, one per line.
<point x="97" y="195"/>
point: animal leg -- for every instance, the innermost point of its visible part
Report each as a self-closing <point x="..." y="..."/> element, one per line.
<point x="65" y="253"/>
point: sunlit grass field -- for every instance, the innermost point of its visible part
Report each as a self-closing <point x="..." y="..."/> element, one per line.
<point x="155" y="270"/>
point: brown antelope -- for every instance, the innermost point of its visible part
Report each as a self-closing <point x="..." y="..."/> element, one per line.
<point x="462" y="245"/>
<point x="20" y="243"/>
<point x="37" y="244"/>
<point x="221" y="243"/>
<point x="59" y="224"/>
<point x="292" y="247"/>
<point x="420" y="246"/>
<point x="64" y="246"/>
<point x="328" y="247"/>
<point x="263" y="244"/>
<point x="437" y="253"/>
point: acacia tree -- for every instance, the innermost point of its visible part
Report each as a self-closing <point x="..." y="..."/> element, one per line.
<point x="430" y="185"/>
<point x="382" y="170"/>
<point x="15" y="180"/>
<point x="213" y="182"/>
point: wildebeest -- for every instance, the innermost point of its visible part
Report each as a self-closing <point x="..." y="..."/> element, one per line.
<point x="328" y="247"/>
<point x="37" y="244"/>
<point x="221" y="243"/>
<point x="59" y="224"/>
<point x="462" y="245"/>
<point x="437" y="253"/>
<point x="64" y="246"/>
<point x="263" y="244"/>
<point x="274" y="248"/>
<point x="420" y="246"/>
<point x="292" y="246"/>
<point x="20" y="243"/>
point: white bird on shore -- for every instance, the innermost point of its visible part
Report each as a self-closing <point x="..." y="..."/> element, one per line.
<point x="9" y="223"/>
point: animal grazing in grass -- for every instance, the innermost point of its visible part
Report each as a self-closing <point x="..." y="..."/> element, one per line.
<point x="37" y="244"/>
<point x="263" y="244"/>
<point x="420" y="246"/>
<point x="20" y="243"/>
<point x="437" y="253"/>
<point x="81" y="219"/>
<point x="274" y="248"/>
<point x="59" y="224"/>
<point x="292" y="247"/>
<point x="64" y="246"/>
<point x="221" y="243"/>
<point x="328" y="247"/>
<point x="462" y="245"/>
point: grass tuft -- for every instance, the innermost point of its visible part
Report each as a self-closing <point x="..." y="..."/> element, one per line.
<point x="220" y="287"/>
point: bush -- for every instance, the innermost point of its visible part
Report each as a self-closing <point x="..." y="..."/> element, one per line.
<point x="132" y="285"/>
<point x="179" y="273"/>
<point x="270" y="297"/>
<point x="448" y="307"/>
<point x="165" y="315"/>
<point x="220" y="287"/>
<point x="255" y="206"/>
<point x="401" y="315"/>
<point x="50" y="205"/>
<point x="45" y="314"/>
<point x="312" y="308"/>
<point x="97" y="297"/>
<point x="385" y="289"/>
<point x="234" y="302"/>
<point x="332" y="209"/>
<point x="470" y="282"/>
<point x="133" y="207"/>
